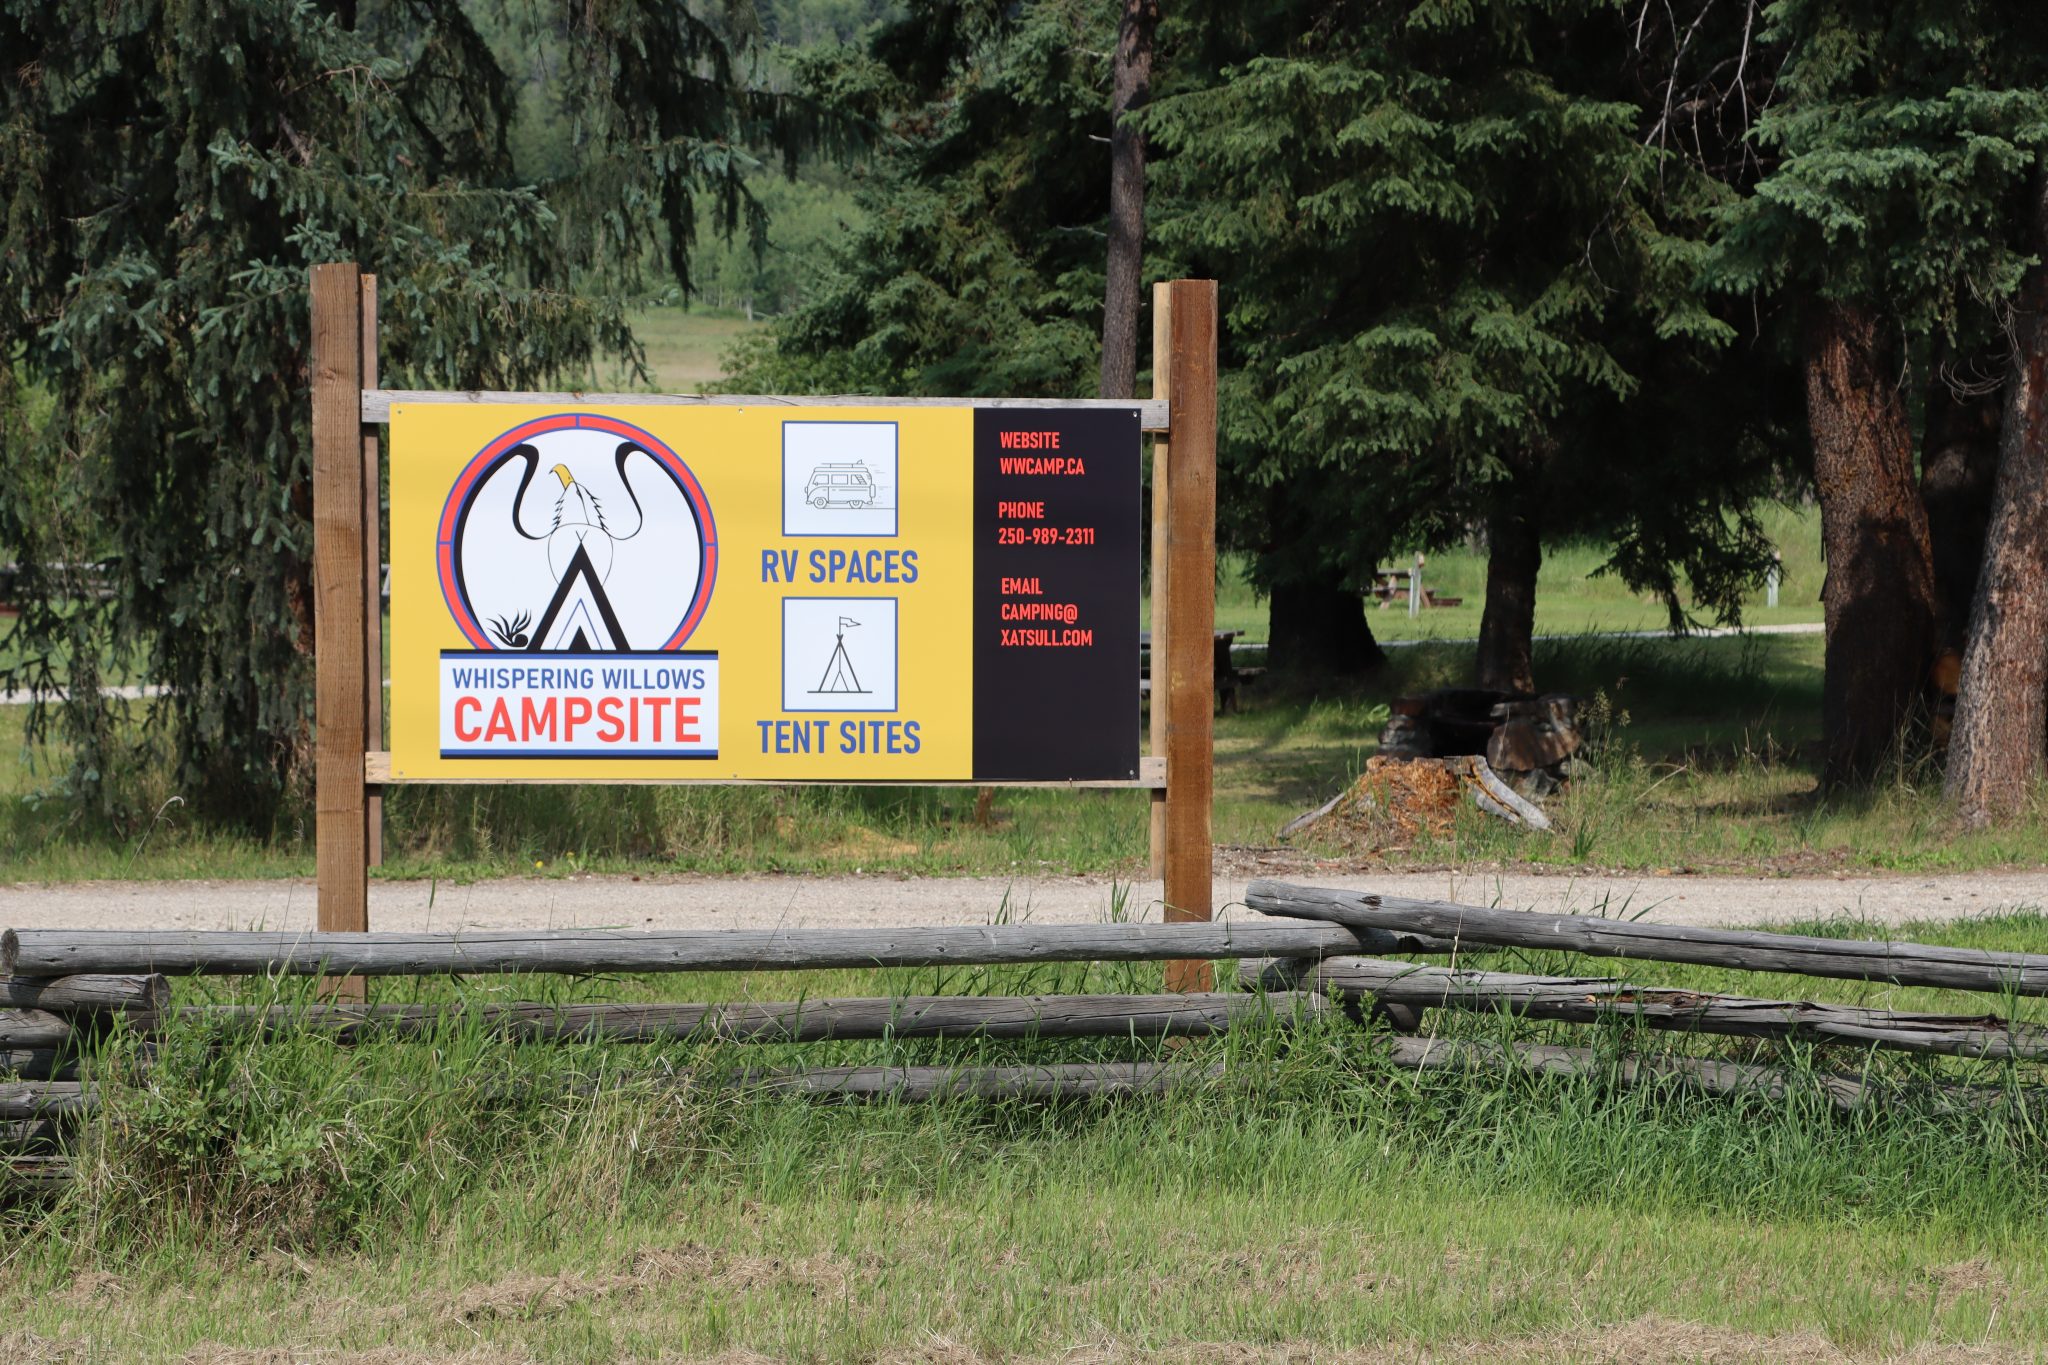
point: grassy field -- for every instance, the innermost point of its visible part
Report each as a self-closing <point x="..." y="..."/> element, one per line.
<point x="1573" y="596"/>
<point x="686" y="346"/>
<point x="296" y="1196"/>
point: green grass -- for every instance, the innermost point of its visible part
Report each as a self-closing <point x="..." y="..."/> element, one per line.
<point x="686" y="347"/>
<point x="1573" y="596"/>
<point x="450" y="1195"/>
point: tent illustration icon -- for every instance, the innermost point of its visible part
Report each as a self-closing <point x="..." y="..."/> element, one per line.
<point x="839" y="676"/>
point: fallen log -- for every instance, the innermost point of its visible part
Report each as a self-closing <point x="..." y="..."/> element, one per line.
<point x="1496" y="797"/>
<point x="1588" y="1000"/>
<point x="927" y="1016"/>
<point x="62" y="952"/>
<point x="71" y="993"/>
<point x="1700" y="1073"/>
<point x="1901" y="964"/>
<point x="1732" y="1079"/>
<point x="34" y="1028"/>
<point x="27" y="1100"/>
<point x="1080" y="1080"/>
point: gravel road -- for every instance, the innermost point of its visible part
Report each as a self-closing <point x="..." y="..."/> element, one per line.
<point x="768" y="901"/>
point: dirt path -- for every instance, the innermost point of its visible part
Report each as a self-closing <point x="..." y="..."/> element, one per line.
<point x="769" y="901"/>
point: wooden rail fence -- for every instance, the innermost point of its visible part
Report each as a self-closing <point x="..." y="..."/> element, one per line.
<point x="62" y="990"/>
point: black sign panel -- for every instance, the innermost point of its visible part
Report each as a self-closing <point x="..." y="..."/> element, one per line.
<point x="1056" y="581"/>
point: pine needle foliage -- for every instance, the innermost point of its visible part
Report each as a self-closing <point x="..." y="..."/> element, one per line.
<point x="977" y="267"/>
<point x="168" y="171"/>
<point x="1456" y="269"/>
<point x="1900" y="146"/>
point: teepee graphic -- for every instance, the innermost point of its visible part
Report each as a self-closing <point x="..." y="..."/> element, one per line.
<point x="579" y="617"/>
<point x="839" y="675"/>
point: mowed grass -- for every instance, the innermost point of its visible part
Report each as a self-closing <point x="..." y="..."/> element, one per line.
<point x="685" y="347"/>
<point x="1573" y="594"/>
<point x="459" y="1197"/>
<point x="1704" y="759"/>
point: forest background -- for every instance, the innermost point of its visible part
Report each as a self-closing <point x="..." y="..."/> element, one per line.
<point x="1645" y="289"/>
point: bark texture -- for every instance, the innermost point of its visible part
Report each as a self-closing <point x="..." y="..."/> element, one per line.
<point x="1879" y="598"/>
<point x="2001" y="710"/>
<point x="1121" y="297"/>
<point x="1958" y="469"/>
<point x="1316" y="629"/>
<point x="1514" y="553"/>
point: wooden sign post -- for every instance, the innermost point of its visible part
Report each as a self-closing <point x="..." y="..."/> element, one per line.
<point x="351" y="765"/>
<point x="1162" y="388"/>
<point x="1190" y="655"/>
<point x="339" y="599"/>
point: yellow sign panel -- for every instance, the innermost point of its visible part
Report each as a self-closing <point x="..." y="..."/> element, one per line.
<point x="769" y="592"/>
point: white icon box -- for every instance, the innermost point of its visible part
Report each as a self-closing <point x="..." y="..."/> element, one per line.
<point x="839" y="653"/>
<point x="839" y="479"/>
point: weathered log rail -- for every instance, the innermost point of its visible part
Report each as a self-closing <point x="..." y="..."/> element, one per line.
<point x="34" y="1028"/>
<point x="1900" y="964"/>
<point x="803" y="1021"/>
<point x="47" y="1025"/>
<point x="1708" y="1075"/>
<point x="33" y="1175"/>
<point x="74" y="994"/>
<point x="57" y="952"/>
<point x="1596" y="1000"/>
<point x="25" y="1101"/>
<point x="910" y="1084"/>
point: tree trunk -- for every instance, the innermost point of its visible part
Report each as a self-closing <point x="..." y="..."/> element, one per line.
<point x="1122" y="293"/>
<point x="1879" y="596"/>
<point x="1958" y="468"/>
<point x="1316" y="629"/>
<point x="2001" y="709"/>
<point x="1514" y="553"/>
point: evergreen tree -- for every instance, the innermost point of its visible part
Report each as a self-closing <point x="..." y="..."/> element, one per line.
<point x="1123" y="292"/>
<point x="1892" y="217"/>
<point x="976" y="264"/>
<point x="1462" y="287"/>
<point x="168" y="173"/>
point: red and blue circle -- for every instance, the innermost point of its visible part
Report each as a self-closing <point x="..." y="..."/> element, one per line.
<point x="481" y="465"/>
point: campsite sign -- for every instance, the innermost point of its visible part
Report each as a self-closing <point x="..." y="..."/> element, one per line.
<point x="736" y="593"/>
<point x="714" y="588"/>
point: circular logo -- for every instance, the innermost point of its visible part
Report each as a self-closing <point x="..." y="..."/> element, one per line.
<point x="577" y="532"/>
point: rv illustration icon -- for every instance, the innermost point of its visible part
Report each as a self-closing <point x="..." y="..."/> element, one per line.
<point x="839" y="675"/>
<point x="839" y="653"/>
<point x="840" y="485"/>
<point x="839" y="478"/>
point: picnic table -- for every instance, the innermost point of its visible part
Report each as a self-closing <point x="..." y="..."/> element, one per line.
<point x="1229" y="677"/>
<point x="1395" y="585"/>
